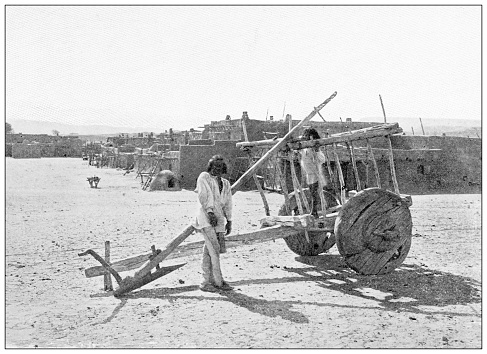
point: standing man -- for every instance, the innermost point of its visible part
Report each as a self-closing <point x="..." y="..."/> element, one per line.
<point x="213" y="220"/>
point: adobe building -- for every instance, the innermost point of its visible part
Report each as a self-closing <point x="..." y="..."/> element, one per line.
<point x="42" y="145"/>
<point x="424" y="164"/>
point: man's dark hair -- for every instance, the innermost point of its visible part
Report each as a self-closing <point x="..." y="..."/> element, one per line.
<point x="217" y="161"/>
<point x="311" y="132"/>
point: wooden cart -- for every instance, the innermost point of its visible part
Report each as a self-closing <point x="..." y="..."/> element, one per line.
<point x="372" y="228"/>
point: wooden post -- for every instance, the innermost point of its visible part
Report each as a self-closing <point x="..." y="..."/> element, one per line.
<point x="297" y="187"/>
<point x="107" y="278"/>
<point x="340" y="175"/>
<point x="261" y="191"/>
<point x="278" y="146"/>
<point x="297" y="191"/>
<point x="374" y="162"/>
<point x="283" y="182"/>
<point x="154" y="253"/>
<point x="320" y="189"/>
<point x="393" y="169"/>
<point x="422" y="128"/>
<point x="272" y="174"/>
<point x="366" y="164"/>
<point x="330" y="171"/>
<point x="303" y="181"/>
<point x="412" y="130"/>
<point x="244" y="127"/>
<point x="290" y="121"/>
<point x="354" y="165"/>
<point x="300" y="186"/>
<point x="254" y="176"/>
<point x="298" y="144"/>
<point x="383" y="110"/>
<point x="321" y="117"/>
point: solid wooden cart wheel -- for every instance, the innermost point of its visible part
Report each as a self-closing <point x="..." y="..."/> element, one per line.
<point x="319" y="241"/>
<point x="373" y="231"/>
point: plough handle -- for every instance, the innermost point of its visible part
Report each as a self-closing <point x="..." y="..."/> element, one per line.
<point x="107" y="266"/>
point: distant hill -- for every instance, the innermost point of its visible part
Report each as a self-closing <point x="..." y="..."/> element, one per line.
<point x="39" y="127"/>
<point x="451" y="127"/>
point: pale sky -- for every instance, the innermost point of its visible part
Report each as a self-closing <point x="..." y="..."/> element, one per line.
<point x="184" y="66"/>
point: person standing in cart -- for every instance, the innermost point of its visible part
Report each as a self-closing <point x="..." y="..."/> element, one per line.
<point x="213" y="220"/>
<point x="312" y="160"/>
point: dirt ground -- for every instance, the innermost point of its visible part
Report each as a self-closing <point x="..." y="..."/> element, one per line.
<point x="280" y="300"/>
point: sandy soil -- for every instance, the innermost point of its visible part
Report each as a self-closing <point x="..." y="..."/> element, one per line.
<point x="280" y="300"/>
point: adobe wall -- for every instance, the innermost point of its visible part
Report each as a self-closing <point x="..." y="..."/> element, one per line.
<point x="453" y="165"/>
<point x="255" y="128"/>
<point x="48" y="147"/>
<point x="425" y="165"/>
<point x="456" y="169"/>
<point x="201" y="142"/>
<point x="437" y="165"/>
<point x="26" y="151"/>
<point x="125" y="160"/>
<point x="194" y="158"/>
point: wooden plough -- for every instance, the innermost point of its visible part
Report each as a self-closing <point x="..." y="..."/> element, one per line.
<point x="372" y="229"/>
<point x="93" y="181"/>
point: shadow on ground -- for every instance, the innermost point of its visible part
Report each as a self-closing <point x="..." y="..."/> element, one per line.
<point x="408" y="288"/>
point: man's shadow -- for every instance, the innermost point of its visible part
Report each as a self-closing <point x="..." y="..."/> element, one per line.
<point x="269" y="308"/>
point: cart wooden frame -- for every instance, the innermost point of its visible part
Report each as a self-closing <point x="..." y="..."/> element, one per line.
<point x="372" y="228"/>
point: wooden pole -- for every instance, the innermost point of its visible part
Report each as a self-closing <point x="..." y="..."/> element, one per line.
<point x="340" y="175"/>
<point x="383" y="110"/>
<point x="412" y="130"/>
<point x="374" y="162"/>
<point x="354" y="165"/>
<point x="393" y="169"/>
<point x="366" y="164"/>
<point x="244" y="126"/>
<point x="371" y="132"/>
<point x="321" y="117"/>
<point x="261" y="191"/>
<point x="154" y="253"/>
<point x="298" y="192"/>
<point x="280" y="144"/>
<point x="283" y="182"/>
<point x="297" y="186"/>
<point x="422" y="128"/>
<point x="272" y="173"/>
<point x="320" y="189"/>
<point x="254" y="176"/>
<point x="296" y="189"/>
<point x="107" y="277"/>
<point x="330" y="171"/>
